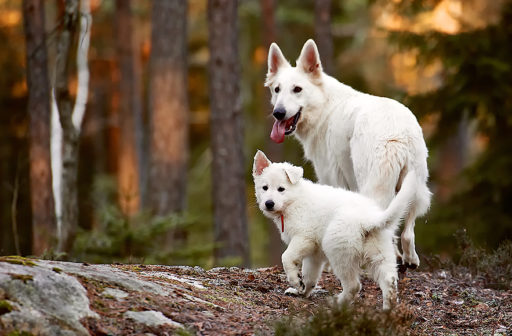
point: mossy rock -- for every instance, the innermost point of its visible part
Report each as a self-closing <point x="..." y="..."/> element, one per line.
<point x="57" y="270"/>
<point x="5" y="307"/>
<point x="22" y="277"/>
<point x="18" y="260"/>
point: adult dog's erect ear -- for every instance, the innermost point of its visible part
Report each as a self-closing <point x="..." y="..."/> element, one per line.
<point x="276" y="60"/>
<point x="260" y="162"/>
<point x="309" y="59"/>
<point x="294" y="173"/>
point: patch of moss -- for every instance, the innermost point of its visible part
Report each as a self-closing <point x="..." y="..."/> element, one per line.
<point x="18" y="260"/>
<point x="22" y="277"/>
<point x="5" y="307"/>
<point x="57" y="270"/>
<point x="183" y="332"/>
<point x="19" y="333"/>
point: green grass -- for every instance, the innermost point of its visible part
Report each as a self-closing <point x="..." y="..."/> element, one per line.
<point x="356" y="320"/>
<point x="494" y="266"/>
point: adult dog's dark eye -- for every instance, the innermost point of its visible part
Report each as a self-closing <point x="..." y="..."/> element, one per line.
<point x="297" y="89"/>
<point x="280" y="189"/>
<point x="277" y="89"/>
<point x="265" y="187"/>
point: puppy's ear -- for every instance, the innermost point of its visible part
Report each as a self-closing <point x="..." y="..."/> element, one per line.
<point x="276" y="61"/>
<point x="294" y="173"/>
<point x="309" y="59"/>
<point x="260" y="162"/>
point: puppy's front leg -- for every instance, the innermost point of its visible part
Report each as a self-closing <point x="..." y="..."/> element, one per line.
<point x="297" y="250"/>
<point x="311" y="270"/>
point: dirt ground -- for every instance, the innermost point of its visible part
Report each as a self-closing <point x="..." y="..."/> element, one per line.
<point x="235" y="301"/>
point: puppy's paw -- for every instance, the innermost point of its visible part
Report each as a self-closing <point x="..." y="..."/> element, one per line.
<point x="309" y="291"/>
<point x="295" y="281"/>
<point x="291" y="291"/>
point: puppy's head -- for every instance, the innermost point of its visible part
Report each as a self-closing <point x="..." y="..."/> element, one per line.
<point x="275" y="184"/>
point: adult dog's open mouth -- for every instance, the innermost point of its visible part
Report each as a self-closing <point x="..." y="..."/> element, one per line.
<point x="284" y="127"/>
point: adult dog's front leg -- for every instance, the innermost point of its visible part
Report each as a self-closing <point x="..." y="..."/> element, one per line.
<point x="292" y="258"/>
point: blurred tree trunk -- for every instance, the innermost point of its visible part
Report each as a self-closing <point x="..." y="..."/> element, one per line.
<point x="70" y="134"/>
<point x="71" y="115"/>
<point x="129" y="110"/>
<point x="44" y="229"/>
<point x="268" y="9"/>
<point x="226" y="128"/>
<point x="323" y="34"/>
<point x="168" y="107"/>
<point x="275" y="151"/>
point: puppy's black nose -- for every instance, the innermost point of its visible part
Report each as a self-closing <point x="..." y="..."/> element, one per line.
<point x="279" y="113"/>
<point x="269" y="204"/>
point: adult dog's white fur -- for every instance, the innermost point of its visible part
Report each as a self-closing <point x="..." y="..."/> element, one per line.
<point x="355" y="140"/>
<point x="322" y="223"/>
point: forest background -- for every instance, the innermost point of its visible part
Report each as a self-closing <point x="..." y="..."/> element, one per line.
<point x="175" y="109"/>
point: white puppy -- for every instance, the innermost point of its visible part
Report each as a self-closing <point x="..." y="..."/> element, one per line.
<point x="355" y="140"/>
<point x="322" y="223"/>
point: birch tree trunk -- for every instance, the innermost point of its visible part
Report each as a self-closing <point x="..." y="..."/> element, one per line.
<point x="168" y="107"/>
<point x="71" y="116"/>
<point x="275" y="151"/>
<point x="230" y="218"/>
<point x="44" y="229"/>
<point x="129" y="110"/>
<point x="323" y="34"/>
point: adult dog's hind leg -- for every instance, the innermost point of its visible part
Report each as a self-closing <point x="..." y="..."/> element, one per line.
<point x="379" y="172"/>
<point x="420" y="206"/>
<point x="409" y="257"/>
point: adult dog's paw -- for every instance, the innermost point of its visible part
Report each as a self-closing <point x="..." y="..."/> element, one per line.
<point x="411" y="260"/>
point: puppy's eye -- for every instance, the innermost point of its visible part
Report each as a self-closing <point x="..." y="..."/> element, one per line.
<point x="280" y="189"/>
<point x="297" y="89"/>
<point x="277" y="89"/>
<point x="265" y="187"/>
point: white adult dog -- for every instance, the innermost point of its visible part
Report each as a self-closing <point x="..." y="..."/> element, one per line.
<point x="355" y="140"/>
<point x="320" y="223"/>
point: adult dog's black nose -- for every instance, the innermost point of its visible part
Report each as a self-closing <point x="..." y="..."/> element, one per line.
<point x="279" y="113"/>
<point x="269" y="204"/>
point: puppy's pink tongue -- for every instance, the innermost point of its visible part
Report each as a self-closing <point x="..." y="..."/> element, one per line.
<point x="278" y="130"/>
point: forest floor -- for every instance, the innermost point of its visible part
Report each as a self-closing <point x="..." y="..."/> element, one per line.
<point x="235" y="301"/>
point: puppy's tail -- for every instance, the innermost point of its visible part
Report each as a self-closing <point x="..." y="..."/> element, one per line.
<point x="399" y="206"/>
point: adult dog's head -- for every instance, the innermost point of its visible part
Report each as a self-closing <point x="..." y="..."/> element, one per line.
<point x="296" y="91"/>
<point x="275" y="184"/>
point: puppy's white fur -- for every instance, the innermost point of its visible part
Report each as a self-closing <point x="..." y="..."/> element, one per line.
<point x="355" y="140"/>
<point x="323" y="223"/>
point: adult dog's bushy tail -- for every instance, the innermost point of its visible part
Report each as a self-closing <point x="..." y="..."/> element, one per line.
<point x="398" y="207"/>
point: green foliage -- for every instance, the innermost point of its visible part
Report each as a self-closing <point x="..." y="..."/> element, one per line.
<point x="475" y="86"/>
<point x="494" y="267"/>
<point x="353" y="321"/>
<point x="141" y="238"/>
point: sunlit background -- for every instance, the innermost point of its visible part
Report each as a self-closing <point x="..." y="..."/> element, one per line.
<point x="448" y="60"/>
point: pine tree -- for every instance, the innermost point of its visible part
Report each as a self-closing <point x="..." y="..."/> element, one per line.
<point x="477" y="85"/>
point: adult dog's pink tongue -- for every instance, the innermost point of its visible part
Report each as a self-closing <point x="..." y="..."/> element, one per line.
<point x="278" y="130"/>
